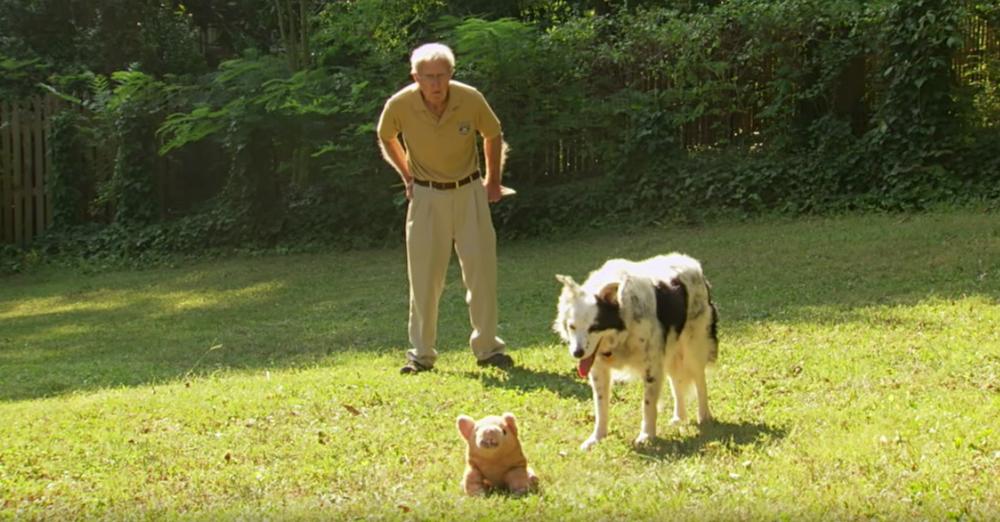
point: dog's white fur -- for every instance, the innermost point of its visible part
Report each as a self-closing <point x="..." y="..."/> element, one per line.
<point x="645" y="347"/>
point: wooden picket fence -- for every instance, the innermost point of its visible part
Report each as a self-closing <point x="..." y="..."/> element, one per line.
<point x="25" y="204"/>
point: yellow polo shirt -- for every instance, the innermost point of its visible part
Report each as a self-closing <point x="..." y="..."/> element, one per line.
<point x="442" y="149"/>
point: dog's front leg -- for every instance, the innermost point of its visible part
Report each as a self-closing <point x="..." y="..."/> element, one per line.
<point x="652" y="386"/>
<point x="600" y="383"/>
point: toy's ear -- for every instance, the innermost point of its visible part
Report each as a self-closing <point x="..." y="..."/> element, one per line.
<point x="511" y="423"/>
<point x="466" y="427"/>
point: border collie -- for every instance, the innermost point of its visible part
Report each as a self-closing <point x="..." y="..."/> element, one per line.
<point x="649" y="319"/>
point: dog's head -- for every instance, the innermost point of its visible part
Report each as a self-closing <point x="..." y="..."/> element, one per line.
<point x="583" y="320"/>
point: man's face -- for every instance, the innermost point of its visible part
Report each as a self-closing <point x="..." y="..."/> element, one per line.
<point x="433" y="78"/>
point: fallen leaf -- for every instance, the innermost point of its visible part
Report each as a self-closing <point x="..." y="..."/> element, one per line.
<point x="352" y="409"/>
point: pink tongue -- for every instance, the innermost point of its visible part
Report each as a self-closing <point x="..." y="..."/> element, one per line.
<point x="584" y="367"/>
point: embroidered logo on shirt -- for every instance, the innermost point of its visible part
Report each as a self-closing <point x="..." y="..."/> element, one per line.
<point x="464" y="127"/>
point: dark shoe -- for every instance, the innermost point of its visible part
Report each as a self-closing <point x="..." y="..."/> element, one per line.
<point x="414" y="367"/>
<point x="500" y="360"/>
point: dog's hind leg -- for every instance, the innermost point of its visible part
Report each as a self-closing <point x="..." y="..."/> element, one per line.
<point x="704" y="351"/>
<point x="678" y="387"/>
<point x="702" y="389"/>
<point x="600" y="382"/>
<point x="699" y="349"/>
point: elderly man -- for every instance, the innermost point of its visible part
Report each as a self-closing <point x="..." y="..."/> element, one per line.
<point x="438" y="159"/>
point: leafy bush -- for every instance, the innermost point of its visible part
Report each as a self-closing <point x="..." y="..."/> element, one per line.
<point x="650" y="111"/>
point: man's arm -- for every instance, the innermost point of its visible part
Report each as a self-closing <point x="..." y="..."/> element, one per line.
<point x="395" y="156"/>
<point x="494" y="149"/>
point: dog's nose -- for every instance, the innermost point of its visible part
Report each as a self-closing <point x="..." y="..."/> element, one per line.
<point x="578" y="353"/>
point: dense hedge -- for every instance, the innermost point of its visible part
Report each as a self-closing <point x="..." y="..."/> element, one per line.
<point x="650" y="113"/>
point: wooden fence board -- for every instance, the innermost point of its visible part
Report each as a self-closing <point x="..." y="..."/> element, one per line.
<point x="39" y="173"/>
<point x="17" y="175"/>
<point x="6" y="198"/>
<point x="50" y="109"/>
<point x="25" y="202"/>
<point x="27" y="171"/>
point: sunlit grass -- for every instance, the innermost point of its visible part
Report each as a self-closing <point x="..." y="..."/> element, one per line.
<point x="859" y="377"/>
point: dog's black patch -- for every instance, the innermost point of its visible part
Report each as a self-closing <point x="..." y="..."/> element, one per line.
<point x="671" y="306"/>
<point x="713" y="329"/>
<point x="609" y="317"/>
<point x="713" y="332"/>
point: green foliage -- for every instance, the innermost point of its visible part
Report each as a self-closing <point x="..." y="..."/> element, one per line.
<point x="69" y="179"/>
<point x="18" y="77"/>
<point x="134" y="111"/>
<point x="644" y="111"/>
<point x="102" y="35"/>
<point x="914" y="126"/>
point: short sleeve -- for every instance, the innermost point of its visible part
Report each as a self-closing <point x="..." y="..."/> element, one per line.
<point x="487" y="122"/>
<point x="388" y="122"/>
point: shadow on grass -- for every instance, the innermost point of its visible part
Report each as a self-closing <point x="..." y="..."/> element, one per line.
<point x="528" y="380"/>
<point x="64" y="333"/>
<point x="717" y="437"/>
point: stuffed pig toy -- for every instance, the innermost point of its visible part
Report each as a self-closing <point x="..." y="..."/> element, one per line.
<point x="494" y="458"/>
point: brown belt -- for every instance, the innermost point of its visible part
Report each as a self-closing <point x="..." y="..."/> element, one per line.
<point x="449" y="185"/>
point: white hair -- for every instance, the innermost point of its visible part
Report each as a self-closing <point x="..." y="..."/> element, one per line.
<point x="432" y="52"/>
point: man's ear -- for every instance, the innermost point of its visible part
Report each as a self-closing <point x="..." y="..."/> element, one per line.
<point x="609" y="294"/>
<point x="466" y="427"/>
<point x="511" y="423"/>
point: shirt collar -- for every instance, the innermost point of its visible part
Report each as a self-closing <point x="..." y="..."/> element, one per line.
<point x="454" y="99"/>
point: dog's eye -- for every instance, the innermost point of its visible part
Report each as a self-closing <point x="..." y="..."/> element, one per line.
<point x="571" y="326"/>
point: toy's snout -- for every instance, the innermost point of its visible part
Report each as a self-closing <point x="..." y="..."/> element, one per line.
<point x="490" y="437"/>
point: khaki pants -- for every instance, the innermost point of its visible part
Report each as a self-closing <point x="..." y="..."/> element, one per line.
<point x="436" y="220"/>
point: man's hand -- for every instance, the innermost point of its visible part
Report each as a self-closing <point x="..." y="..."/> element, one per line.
<point x="493" y="193"/>
<point x="409" y="190"/>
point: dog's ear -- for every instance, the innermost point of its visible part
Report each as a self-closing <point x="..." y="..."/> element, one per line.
<point x="567" y="281"/>
<point x="466" y="427"/>
<point x="609" y="294"/>
<point x="508" y="418"/>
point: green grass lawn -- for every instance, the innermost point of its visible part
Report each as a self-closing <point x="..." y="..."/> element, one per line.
<point x="858" y="377"/>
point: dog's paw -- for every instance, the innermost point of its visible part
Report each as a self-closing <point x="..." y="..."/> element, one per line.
<point x="589" y="443"/>
<point x="676" y="421"/>
<point x="643" y="439"/>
